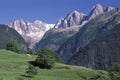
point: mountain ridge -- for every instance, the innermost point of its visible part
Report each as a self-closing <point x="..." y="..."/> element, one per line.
<point x="82" y="19"/>
<point x="55" y="37"/>
<point x="101" y="52"/>
<point x="54" y="43"/>
<point x="32" y="32"/>
<point x="88" y="32"/>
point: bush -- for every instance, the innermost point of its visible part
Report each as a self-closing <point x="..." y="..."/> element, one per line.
<point x="115" y="68"/>
<point x="46" y="58"/>
<point x="30" y="51"/>
<point x="114" y="72"/>
<point x="31" y="71"/>
<point x="13" y="46"/>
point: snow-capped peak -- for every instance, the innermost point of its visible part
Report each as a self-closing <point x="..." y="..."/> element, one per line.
<point x="32" y="32"/>
<point x="38" y="21"/>
<point x="50" y="25"/>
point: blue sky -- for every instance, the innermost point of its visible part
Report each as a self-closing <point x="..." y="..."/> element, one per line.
<point x="48" y="11"/>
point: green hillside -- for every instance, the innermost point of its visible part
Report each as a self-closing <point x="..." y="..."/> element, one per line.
<point x="7" y="34"/>
<point x="13" y="66"/>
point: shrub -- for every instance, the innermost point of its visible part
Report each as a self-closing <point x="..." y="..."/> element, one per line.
<point x="114" y="72"/>
<point x="30" y="51"/>
<point x="13" y="46"/>
<point x="46" y="58"/>
<point x="31" y="71"/>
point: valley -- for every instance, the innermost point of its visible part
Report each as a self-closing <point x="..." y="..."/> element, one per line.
<point x="78" y="46"/>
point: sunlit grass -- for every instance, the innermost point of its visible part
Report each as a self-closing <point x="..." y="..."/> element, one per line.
<point x="13" y="66"/>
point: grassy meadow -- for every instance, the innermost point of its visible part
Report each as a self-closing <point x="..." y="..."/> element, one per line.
<point x="13" y="67"/>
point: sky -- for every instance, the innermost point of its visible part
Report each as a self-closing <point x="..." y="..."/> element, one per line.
<point x="48" y="11"/>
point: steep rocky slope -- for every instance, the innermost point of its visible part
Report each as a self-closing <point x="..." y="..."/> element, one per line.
<point x="56" y="37"/>
<point x="100" y="53"/>
<point x="89" y="32"/>
<point x="72" y="19"/>
<point x="78" y="18"/>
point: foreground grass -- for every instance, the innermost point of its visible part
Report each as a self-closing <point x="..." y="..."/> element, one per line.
<point x="13" y="67"/>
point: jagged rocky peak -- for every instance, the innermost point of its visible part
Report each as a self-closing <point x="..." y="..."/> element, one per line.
<point x="32" y="32"/>
<point x="17" y="22"/>
<point x="47" y="26"/>
<point x="109" y="8"/>
<point x="77" y="18"/>
<point x="75" y="13"/>
<point x="97" y="10"/>
<point x="72" y="19"/>
<point x="59" y="23"/>
<point x="19" y="26"/>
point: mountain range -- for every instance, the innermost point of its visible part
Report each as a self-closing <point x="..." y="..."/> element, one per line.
<point x="90" y="31"/>
<point x="79" y="39"/>
<point x="69" y="25"/>
<point x="77" y="18"/>
<point x="32" y="32"/>
<point x="95" y="28"/>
